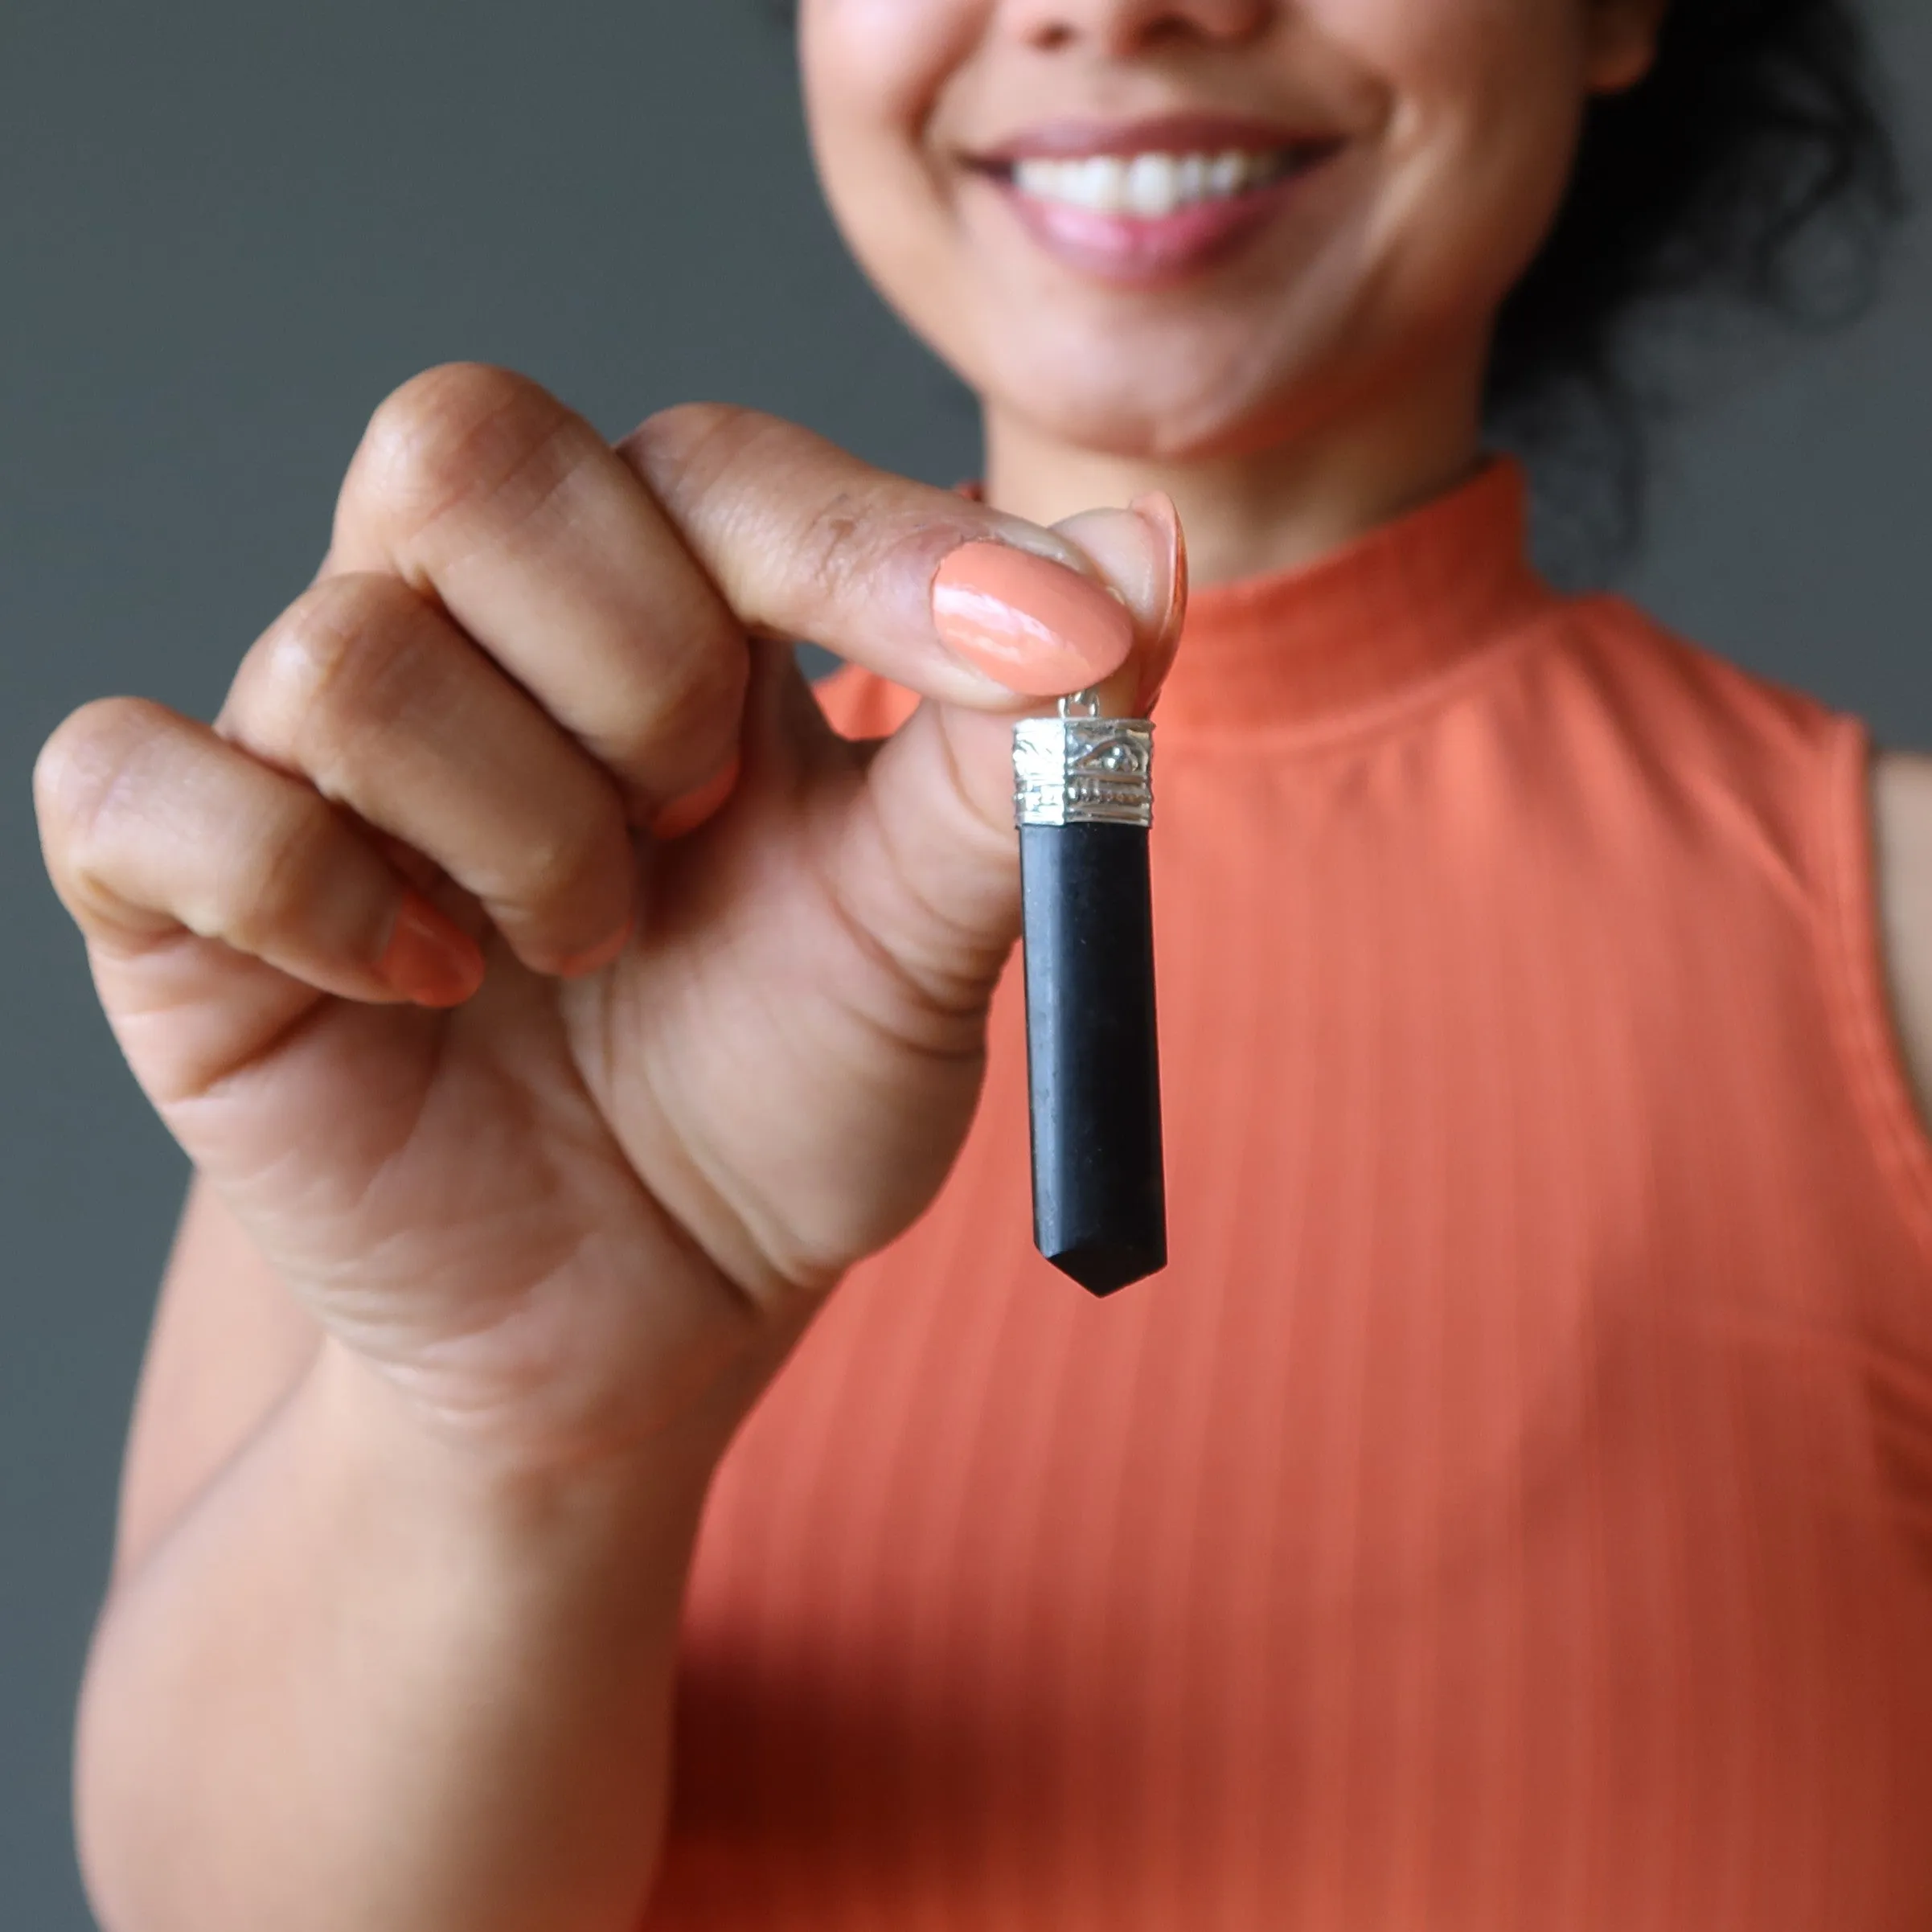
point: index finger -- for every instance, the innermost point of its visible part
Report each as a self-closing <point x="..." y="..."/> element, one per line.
<point x="805" y="540"/>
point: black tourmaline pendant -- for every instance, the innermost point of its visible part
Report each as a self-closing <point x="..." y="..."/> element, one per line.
<point x="1084" y="799"/>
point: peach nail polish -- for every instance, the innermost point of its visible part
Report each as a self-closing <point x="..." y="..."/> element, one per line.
<point x="686" y="813"/>
<point x="1034" y="626"/>
<point x="580" y="965"/>
<point x="429" y="959"/>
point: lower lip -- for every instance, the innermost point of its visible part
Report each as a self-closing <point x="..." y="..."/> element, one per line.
<point x="1141" y="251"/>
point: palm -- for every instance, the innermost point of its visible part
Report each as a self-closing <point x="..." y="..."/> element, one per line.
<point x="754" y="1096"/>
<point x="583" y="1200"/>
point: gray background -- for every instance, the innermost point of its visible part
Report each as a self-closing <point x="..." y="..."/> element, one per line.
<point x="227" y="230"/>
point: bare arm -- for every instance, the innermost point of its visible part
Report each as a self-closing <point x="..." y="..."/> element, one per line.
<point x="531" y="1135"/>
<point x="412" y="1696"/>
<point x="228" y="1345"/>
<point x="399" y="1679"/>
<point x="1901" y="808"/>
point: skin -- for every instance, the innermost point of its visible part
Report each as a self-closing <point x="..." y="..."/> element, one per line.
<point x="1331" y="377"/>
<point x="468" y="1300"/>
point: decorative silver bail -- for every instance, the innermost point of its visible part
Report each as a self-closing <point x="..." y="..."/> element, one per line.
<point x="1080" y="769"/>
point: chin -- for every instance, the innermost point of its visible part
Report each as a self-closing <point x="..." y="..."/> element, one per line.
<point x="1181" y="399"/>
<point x="1124" y="424"/>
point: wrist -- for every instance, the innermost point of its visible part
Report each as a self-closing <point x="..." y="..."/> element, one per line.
<point x="511" y="1488"/>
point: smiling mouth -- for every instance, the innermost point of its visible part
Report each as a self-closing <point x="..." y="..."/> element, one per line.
<point x="1151" y="206"/>
<point x="1153" y="186"/>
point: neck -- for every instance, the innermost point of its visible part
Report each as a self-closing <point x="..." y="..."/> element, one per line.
<point x="1276" y="507"/>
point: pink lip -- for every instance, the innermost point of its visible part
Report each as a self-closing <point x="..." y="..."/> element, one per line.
<point x="1139" y="251"/>
<point x="1192" y="133"/>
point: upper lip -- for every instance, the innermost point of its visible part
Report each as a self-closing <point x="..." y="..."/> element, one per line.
<point x="1181" y="134"/>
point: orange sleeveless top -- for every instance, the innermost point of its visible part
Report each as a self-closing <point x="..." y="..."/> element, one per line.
<point x="1512" y="1507"/>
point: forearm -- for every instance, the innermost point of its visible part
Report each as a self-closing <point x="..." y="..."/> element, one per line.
<point x="365" y="1682"/>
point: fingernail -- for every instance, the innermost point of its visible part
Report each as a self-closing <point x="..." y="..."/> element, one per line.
<point x="1034" y="626"/>
<point x="1156" y="509"/>
<point x="580" y="965"/>
<point x="429" y="959"/>
<point x="686" y="813"/>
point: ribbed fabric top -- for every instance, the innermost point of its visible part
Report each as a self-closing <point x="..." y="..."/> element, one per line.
<point x="1512" y="1508"/>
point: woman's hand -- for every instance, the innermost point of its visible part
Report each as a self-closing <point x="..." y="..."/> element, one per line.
<point x="557" y="1005"/>
<point x="554" y="1117"/>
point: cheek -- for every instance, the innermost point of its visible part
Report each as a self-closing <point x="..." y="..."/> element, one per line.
<point x="1476" y="103"/>
<point x="873" y="69"/>
<point x="873" y="72"/>
<point x="1487" y="98"/>
<point x="1484" y="56"/>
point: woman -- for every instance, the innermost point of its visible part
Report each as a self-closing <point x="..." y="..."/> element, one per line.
<point x="1509" y="1508"/>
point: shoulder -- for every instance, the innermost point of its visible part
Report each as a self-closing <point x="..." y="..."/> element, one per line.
<point x="1902" y="833"/>
<point x="1798" y="788"/>
<point x="1677" y="722"/>
<point x="1685" y="688"/>
<point x="1725" y="759"/>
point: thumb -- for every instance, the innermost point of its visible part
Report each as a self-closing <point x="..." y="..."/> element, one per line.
<point x="931" y="864"/>
<point x="1141" y="554"/>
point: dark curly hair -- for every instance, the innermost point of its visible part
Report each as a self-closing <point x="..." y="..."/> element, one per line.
<point x="1752" y="169"/>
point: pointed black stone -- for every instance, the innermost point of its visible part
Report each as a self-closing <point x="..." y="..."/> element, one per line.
<point x="1100" y="1211"/>
<point x="1101" y="1267"/>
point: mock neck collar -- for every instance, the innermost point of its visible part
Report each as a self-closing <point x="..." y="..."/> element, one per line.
<point x="1326" y="643"/>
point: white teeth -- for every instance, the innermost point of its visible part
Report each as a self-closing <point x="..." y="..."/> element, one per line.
<point x="1227" y="172"/>
<point x="1146" y="185"/>
<point x="1153" y="185"/>
<point x="1098" y="182"/>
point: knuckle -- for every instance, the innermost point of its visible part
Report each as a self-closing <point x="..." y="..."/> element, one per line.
<point x="689" y="440"/>
<point x="85" y="771"/>
<point x="272" y="875"/>
<point x="345" y="661"/>
<point x="691" y="719"/>
<point x="563" y="864"/>
<point x="826" y="547"/>
<point x="781" y="520"/>
<point x="459" y="434"/>
<point x="723" y="475"/>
